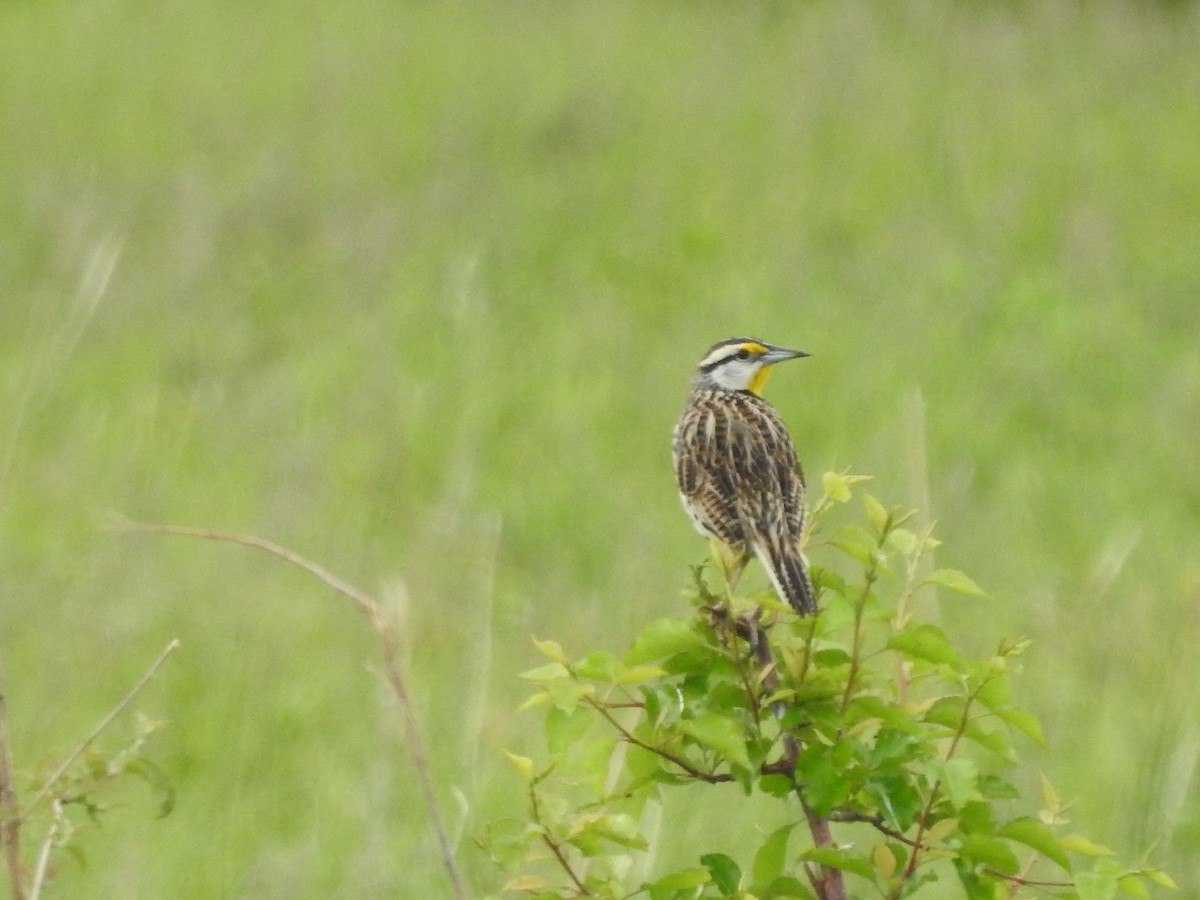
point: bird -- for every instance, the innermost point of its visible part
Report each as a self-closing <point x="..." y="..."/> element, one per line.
<point x="737" y="471"/>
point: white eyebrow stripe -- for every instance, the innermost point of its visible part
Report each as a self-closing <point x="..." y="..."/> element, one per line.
<point x="725" y="352"/>
<point x="720" y="354"/>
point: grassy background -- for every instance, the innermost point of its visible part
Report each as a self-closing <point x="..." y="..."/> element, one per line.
<point x="416" y="289"/>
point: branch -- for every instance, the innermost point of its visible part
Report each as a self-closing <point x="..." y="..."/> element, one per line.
<point x="826" y="880"/>
<point x="876" y="822"/>
<point x="626" y="734"/>
<point x="870" y="576"/>
<point x="1027" y="882"/>
<point x="535" y="811"/>
<point x="389" y="648"/>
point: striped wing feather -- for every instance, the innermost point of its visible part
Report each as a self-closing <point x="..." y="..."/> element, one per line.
<point x="737" y="468"/>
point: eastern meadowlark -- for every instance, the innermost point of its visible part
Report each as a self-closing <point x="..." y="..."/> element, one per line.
<point x="738" y="475"/>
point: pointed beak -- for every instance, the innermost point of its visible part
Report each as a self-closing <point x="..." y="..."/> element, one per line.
<point x="779" y="354"/>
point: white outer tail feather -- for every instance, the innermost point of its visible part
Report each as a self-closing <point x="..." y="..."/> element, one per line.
<point x="806" y="603"/>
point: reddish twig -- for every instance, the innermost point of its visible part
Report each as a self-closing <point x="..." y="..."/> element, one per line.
<point x="826" y="880"/>
<point x="628" y="736"/>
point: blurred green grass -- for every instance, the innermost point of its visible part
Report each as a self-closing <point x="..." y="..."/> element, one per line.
<point x="385" y="275"/>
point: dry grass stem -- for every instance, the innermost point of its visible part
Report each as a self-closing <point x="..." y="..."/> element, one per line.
<point x="389" y="648"/>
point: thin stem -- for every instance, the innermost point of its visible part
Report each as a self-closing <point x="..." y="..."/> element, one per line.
<point x="856" y="646"/>
<point x="766" y="675"/>
<point x="876" y="822"/>
<point x="627" y="735"/>
<point x="923" y="820"/>
<point x="1021" y="881"/>
<point x="103" y="723"/>
<point x="869" y="578"/>
<point x="535" y="812"/>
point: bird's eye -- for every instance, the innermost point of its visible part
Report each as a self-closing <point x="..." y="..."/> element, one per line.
<point x="743" y="354"/>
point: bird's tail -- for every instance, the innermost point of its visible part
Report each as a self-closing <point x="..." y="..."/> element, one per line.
<point x="789" y="575"/>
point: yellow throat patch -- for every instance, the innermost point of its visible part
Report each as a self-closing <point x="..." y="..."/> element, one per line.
<point x="759" y="379"/>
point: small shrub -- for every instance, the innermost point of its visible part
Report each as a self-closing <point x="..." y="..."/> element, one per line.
<point x="864" y="721"/>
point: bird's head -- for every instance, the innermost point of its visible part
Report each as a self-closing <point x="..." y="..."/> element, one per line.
<point x="741" y="364"/>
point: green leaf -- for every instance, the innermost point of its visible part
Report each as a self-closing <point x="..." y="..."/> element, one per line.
<point x="775" y="785"/>
<point x="927" y="642"/>
<point x="523" y="764"/>
<point x="566" y="693"/>
<point x="829" y="657"/>
<point x="826" y="784"/>
<point x="662" y="638"/>
<point x="551" y="650"/>
<point x="526" y="883"/>
<point x="597" y="666"/>
<point x="158" y="780"/>
<point x="721" y="735"/>
<point x="990" y="852"/>
<point x="890" y="746"/>
<point x="955" y="581"/>
<point x="1134" y="887"/>
<point x="565" y="728"/>
<point x="642" y="764"/>
<point x="996" y="741"/>
<point x="960" y="781"/>
<point x="682" y="880"/>
<point x="724" y="871"/>
<point x="837" y="486"/>
<point x="586" y="834"/>
<point x="883" y="860"/>
<point x="857" y="543"/>
<point x="897" y="799"/>
<point x="1037" y="835"/>
<point x="1025" y="722"/>
<point x="877" y="513"/>
<point x="507" y="841"/>
<point x="878" y="708"/>
<point x="976" y="886"/>
<point x="772" y="855"/>
<point x="903" y="541"/>
<point x="948" y="712"/>
<point x="996" y="788"/>
<point x="977" y="818"/>
<point x="1052" y="805"/>
<point x="1098" y="884"/>
<point x="1012" y="647"/>
<point x="636" y="674"/>
<point x="1079" y="844"/>
<point x="994" y="692"/>
<point x="1161" y="878"/>
<point x="548" y="672"/>
<point x="829" y="580"/>
<point x="541" y="698"/>
<point x="940" y="830"/>
<point x="839" y="859"/>
<point x="621" y="828"/>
